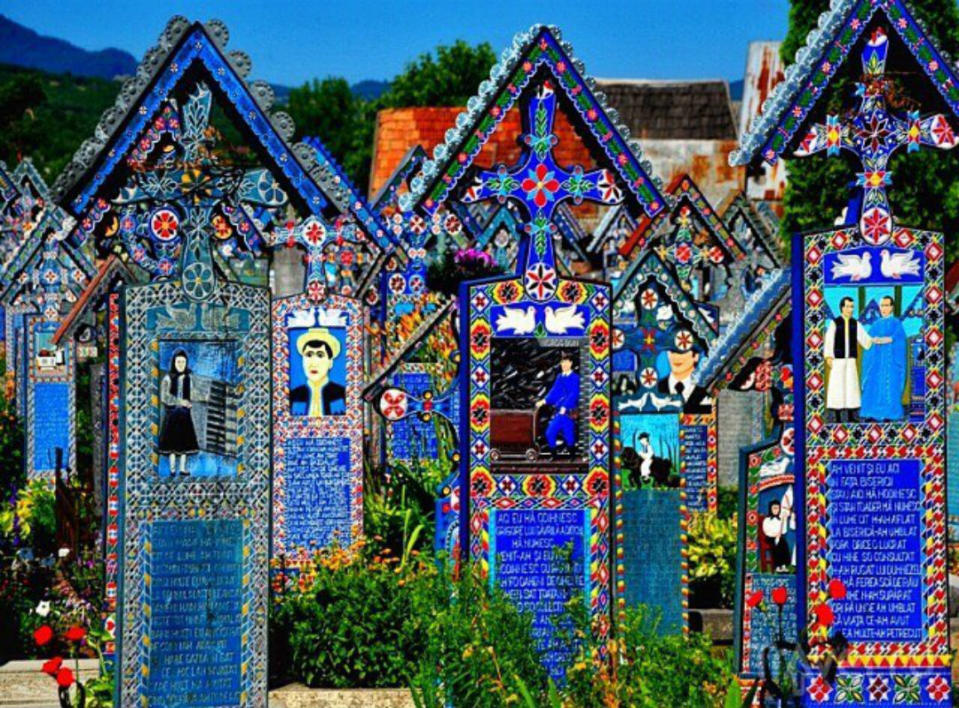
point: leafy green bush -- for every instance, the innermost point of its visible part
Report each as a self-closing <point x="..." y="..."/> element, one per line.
<point x="727" y="502"/>
<point x="712" y="560"/>
<point x="479" y="651"/>
<point x="646" y="669"/>
<point x="360" y="624"/>
<point x="396" y="504"/>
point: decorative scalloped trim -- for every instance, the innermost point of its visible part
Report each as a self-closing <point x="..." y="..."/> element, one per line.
<point x="62" y="224"/>
<point x="664" y="275"/>
<point x="744" y="205"/>
<point x="311" y="155"/>
<point x="332" y="179"/>
<point x="407" y="167"/>
<point x="781" y="103"/>
<point x="606" y="224"/>
<point x="491" y="89"/>
<point x="705" y="211"/>
<point x="114" y="116"/>
<point x="775" y="286"/>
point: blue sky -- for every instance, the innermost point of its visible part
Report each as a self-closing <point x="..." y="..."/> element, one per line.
<point x="291" y="41"/>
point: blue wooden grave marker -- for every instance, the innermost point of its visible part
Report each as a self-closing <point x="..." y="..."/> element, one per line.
<point x="535" y="336"/>
<point x="871" y="420"/>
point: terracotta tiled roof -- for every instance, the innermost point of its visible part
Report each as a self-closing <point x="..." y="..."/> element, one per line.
<point x="654" y="110"/>
<point x="399" y="129"/>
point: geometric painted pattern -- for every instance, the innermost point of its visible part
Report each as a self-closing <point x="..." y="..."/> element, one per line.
<point x="235" y="314"/>
<point x="921" y="439"/>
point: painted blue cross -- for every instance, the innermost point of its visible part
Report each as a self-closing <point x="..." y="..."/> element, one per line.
<point x="874" y="135"/>
<point x="172" y="205"/>
<point x="539" y="185"/>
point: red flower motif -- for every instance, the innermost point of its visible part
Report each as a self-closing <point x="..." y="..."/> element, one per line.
<point x="755" y="599"/>
<point x="538" y="485"/>
<point x="65" y="678"/>
<point x="780" y="595"/>
<point x="76" y="633"/>
<point x="479" y="414"/>
<point x="876" y="225"/>
<point x="479" y="341"/>
<point x="599" y="413"/>
<point x="481" y="486"/>
<point x="837" y="589"/>
<point x="540" y="185"/>
<point x="597" y="485"/>
<point x="599" y="339"/>
<point x="53" y="666"/>
<point x="43" y="635"/>
<point x="824" y="615"/>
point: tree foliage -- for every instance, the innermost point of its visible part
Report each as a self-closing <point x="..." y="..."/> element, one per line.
<point x="449" y="80"/>
<point x="346" y="123"/>
<point x="47" y="116"/>
<point x="925" y="191"/>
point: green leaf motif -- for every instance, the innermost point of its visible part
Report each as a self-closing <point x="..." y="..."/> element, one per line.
<point x="849" y="689"/>
<point x="577" y="185"/>
<point x="906" y="688"/>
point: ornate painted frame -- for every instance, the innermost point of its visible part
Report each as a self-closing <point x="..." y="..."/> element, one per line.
<point x="234" y="313"/>
<point x="590" y="491"/>
<point x="818" y="443"/>
<point x="287" y="426"/>
<point x="31" y="324"/>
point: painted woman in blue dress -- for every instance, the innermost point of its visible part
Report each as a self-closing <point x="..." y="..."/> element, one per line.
<point x="884" y="368"/>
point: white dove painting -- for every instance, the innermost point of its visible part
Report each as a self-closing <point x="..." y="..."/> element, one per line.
<point x="517" y="319"/>
<point x="560" y="320"/>
<point x="852" y="266"/>
<point x="896" y="265"/>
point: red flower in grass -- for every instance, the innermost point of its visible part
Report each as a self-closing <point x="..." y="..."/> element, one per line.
<point x="824" y="615"/>
<point x="52" y="666"/>
<point x="837" y="589"/>
<point x="755" y="599"/>
<point x="76" y="633"/>
<point x="65" y="678"/>
<point x="780" y="595"/>
<point x="43" y="635"/>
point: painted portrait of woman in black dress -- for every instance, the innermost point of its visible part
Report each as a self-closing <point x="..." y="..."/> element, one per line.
<point x="177" y="434"/>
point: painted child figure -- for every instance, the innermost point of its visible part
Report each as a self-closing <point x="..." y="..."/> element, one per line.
<point x="563" y="397"/>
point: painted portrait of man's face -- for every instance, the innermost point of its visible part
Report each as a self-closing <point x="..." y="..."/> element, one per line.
<point x="885" y="306"/>
<point x="847" y="308"/>
<point x="682" y="364"/>
<point x="317" y="361"/>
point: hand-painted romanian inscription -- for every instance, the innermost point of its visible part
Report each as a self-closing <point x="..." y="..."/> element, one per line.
<point x="537" y="559"/>
<point x="875" y="530"/>
<point x="196" y="611"/>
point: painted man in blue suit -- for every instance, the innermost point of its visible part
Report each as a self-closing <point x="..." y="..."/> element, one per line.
<point x="563" y="397"/>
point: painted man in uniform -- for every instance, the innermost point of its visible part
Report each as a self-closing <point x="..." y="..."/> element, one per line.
<point x="563" y="397"/>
